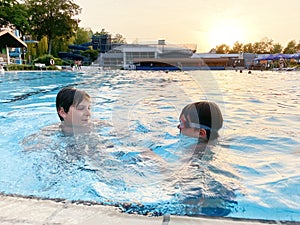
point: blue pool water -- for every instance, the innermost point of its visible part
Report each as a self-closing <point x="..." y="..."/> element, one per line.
<point x="138" y="161"/>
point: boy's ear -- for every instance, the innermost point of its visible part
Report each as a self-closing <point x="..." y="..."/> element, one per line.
<point x="62" y="112"/>
<point x="202" y="133"/>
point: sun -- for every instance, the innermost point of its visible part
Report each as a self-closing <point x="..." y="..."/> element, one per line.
<point x="225" y="33"/>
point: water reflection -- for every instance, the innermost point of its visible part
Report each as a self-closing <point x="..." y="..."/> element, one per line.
<point x="153" y="180"/>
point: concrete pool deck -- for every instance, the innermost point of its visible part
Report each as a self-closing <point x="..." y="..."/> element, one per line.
<point x="31" y="211"/>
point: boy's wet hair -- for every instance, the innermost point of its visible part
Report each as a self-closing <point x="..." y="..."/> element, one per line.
<point x="69" y="96"/>
<point x="205" y="113"/>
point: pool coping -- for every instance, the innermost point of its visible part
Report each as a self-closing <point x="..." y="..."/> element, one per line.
<point x="22" y="210"/>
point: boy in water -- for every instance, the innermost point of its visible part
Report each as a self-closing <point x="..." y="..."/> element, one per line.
<point x="201" y="120"/>
<point x="74" y="110"/>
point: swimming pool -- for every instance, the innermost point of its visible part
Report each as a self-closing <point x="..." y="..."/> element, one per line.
<point x="253" y="172"/>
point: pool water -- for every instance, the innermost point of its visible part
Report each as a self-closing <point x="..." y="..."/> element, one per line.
<point x="138" y="161"/>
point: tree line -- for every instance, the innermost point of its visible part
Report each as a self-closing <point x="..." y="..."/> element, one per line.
<point x="51" y="18"/>
<point x="265" y="46"/>
<point x="53" y="23"/>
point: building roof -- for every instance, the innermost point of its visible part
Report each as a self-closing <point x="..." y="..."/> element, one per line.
<point x="8" y="39"/>
<point x="214" y="55"/>
<point x="135" y="48"/>
<point x="113" y="55"/>
<point x="184" y="62"/>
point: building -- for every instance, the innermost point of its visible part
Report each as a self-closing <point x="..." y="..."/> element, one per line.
<point x="123" y="56"/>
<point x="172" y="64"/>
<point x="9" y="42"/>
<point x="102" y="42"/>
<point x="162" y="56"/>
<point x="126" y="55"/>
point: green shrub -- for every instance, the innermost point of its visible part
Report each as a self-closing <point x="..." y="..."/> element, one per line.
<point x="58" y="61"/>
<point x="52" y="68"/>
<point x="14" y="67"/>
<point x="45" y="59"/>
<point x="11" y="67"/>
<point x="92" y="55"/>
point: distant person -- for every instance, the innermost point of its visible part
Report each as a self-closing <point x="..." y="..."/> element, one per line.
<point x="1" y="69"/>
<point x="73" y="107"/>
<point x="201" y="120"/>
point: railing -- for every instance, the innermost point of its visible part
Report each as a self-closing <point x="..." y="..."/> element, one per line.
<point x="4" y="61"/>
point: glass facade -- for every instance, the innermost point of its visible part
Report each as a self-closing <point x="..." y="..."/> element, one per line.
<point x="130" y="56"/>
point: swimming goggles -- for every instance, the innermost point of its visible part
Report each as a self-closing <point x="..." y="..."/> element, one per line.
<point x="193" y="125"/>
<point x="199" y="126"/>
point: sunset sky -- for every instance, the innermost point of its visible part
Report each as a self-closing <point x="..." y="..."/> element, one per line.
<point x="206" y="23"/>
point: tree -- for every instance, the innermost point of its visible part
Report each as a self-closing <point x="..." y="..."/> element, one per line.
<point x="258" y="48"/>
<point x="53" y="18"/>
<point x="237" y="47"/>
<point x="60" y="44"/>
<point x="119" y="39"/>
<point x="222" y="49"/>
<point x="298" y="47"/>
<point x="267" y="44"/>
<point x="102" y="32"/>
<point x="6" y="7"/>
<point x="277" y="48"/>
<point x="91" y="54"/>
<point x="290" y="48"/>
<point x="42" y="46"/>
<point x="14" y="15"/>
<point x="83" y="35"/>
<point x="263" y="47"/>
<point x="248" y="48"/>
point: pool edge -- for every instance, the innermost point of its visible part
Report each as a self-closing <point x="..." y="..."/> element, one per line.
<point x="29" y="210"/>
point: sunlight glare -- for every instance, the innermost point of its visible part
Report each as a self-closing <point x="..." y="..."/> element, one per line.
<point x="225" y="33"/>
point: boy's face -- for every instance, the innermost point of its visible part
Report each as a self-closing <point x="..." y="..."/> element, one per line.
<point x="186" y="130"/>
<point x="78" y="115"/>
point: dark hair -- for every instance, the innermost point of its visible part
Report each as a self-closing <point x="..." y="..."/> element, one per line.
<point x="69" y="96"/>
<point x="205" y="113"/>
